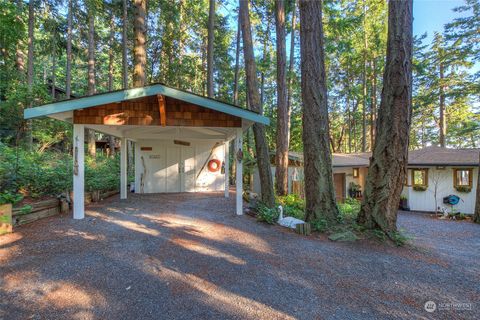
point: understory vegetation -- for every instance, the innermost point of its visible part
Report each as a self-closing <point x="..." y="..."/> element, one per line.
<point x="49" y="173"/>
<point x="345" y="229"/>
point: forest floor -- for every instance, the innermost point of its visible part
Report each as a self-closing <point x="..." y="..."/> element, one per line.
<point x="187" y="256"/>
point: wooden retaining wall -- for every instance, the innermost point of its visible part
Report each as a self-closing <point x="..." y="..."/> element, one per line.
<point x="47" y="208"/>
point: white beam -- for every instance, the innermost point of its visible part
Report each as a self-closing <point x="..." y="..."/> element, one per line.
<point x="226" y="163"/>
<point x="123" y="169"/>
<point x="239" y="173"/>
<point x="78" y="171"/>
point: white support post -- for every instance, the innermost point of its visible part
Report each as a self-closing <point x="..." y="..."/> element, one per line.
<point x="226" y="163"/>
<point x="78" y="171"/>
<point x="138" y="163"/>
<point x="239" y="173"/>
<point x="123" y="168"/>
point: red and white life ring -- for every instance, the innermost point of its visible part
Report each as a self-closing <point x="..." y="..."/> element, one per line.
<point x="214" y="165"/>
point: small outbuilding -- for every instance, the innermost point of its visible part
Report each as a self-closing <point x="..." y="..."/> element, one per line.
<point x="181" y="139"/>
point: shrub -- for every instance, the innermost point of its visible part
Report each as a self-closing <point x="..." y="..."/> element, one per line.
<point x="50" y="173"/>
<point x="293" y="206"/>
<point x="102" y="173"/>
<point x="320" y="225"/>
<point x="266" y="214"/>
<point x="8" y="197"/>
<point x="349" y="209"/>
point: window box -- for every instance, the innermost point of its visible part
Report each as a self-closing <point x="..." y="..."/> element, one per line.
<point x="464" y="189"/>
<point x="420" y="188"/>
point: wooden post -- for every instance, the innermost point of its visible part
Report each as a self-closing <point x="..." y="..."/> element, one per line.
<point x="161" y="109"/>
<point x="226" y="162"/>
<point x="239" y="174"/>
<point x="123" y="169"/>
<point x="78" y="171"/>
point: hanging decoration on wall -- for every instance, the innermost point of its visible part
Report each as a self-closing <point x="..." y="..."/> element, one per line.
<point x="214" y="165"/>
<point x="208" y="158"/>
<point x="240" y="155"/>
<point x="75" y="157"/>
<point x="143" y="175"/>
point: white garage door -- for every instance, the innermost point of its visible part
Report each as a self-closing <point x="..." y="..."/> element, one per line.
<point x="170" y="169"/>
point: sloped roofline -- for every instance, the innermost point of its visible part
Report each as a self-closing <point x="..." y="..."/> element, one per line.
<point x="150" y="90"/>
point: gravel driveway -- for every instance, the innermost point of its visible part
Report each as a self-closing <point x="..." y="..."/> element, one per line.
<point x="186" y="256"/>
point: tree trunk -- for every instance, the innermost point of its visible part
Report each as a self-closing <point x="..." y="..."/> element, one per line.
<point x="373" y="104"/>
<point x="442" y="120"/>
<point x="292" y="59"/>
<point x="364" y="79"/>
<point x="31" y="29"/>
<point x="111" y="61"/>
<point x="237" y="63"/>
<point x="91" y="53"/>
<point x="111" y="139"/>
<point x="211" y="34"/>
<point x="263" y="159"/>
<point x="476" y="215"/>
<point x="91" y="76"/>
<point x="54" y="63"/>
<point x="388" y="164"/>
<point x="283" y="128"/>
<point x="19" y="54"/>
<point x="124" y="45"/>
<point x="319" y="191"/>
<point x="140" y="59"/>
<point x="68" y="76"/>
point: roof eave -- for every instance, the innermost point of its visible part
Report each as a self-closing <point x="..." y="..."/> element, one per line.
<point x="112" y="97"/>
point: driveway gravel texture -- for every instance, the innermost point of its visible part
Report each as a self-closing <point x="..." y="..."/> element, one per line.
<point x="187" y="256"/>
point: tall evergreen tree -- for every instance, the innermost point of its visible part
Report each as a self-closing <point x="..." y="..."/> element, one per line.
<point x="263" y="158"/>
<point x="140" y="54"/>
<point x="283" y="113"/>
<point x="319" y="191"/>
<point x="388" y="164"/>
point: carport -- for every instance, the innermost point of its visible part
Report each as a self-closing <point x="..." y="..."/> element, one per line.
<point x="181" y="139"/>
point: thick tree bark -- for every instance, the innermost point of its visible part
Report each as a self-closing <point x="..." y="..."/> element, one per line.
<point x="124" y="45"/>
<point x="68" y="76"/>
<point x="442" y="120"/>
<point x="140" y="58"/>
<point x="388" y="164"/>
<point x="319" y="190"/>
<point x="283" y="128"/>
<point x="210" y="41"/>
<point x="263" y="159"/>
<point x="476" y="215"/>
<point x="31" y="29"/>
<point x="91" y="76"/>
